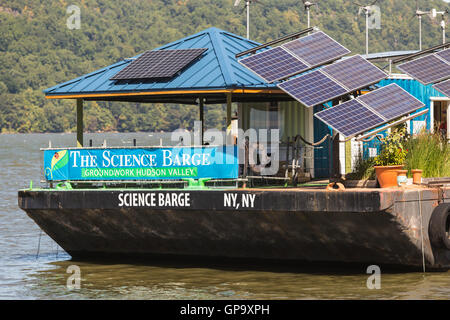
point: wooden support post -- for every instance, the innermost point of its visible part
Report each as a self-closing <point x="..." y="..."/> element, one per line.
<point x="79" y="123"/>
<point x="201" y="107"/>
<point x="336" y="153"/>
<point x="229" y="105"/>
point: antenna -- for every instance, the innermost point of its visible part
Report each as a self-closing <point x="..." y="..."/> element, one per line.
<point x="419" y="13"/>
<point x="308" y="5"/>
<point x="434" y="14"/>
<point x="367" y="9"/>
<point x="247" y="5"/>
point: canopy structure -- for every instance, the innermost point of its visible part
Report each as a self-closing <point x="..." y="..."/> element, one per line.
<point x="212" y="77"/>
<point x="215" y="78"/>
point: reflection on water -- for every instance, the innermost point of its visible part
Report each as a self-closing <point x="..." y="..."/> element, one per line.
<point x="32" y="271"/>
<point x="127" y="281"/>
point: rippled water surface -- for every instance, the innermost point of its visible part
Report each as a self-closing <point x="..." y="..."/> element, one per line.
<point x="33" y="266"/>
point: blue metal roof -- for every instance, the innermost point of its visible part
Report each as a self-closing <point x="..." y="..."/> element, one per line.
<point x="218" y="68"/>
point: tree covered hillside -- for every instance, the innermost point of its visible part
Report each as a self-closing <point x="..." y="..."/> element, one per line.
<point x="37" y="50"/>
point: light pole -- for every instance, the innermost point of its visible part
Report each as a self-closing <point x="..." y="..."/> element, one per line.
<point x="308" y="5"/>
<point x="247" y="4"/>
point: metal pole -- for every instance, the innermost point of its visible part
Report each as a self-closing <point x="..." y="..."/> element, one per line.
<point x="420" y="33"/>
<point x="248" y="19"/>
<point x="79" y="123"/>
<point x="443" y="31"/>
<point x="201" y="104"/>
<point x="309" y="17"/>
<point x="367" y="33"/>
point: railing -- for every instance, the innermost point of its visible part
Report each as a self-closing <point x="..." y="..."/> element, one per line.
<point x="173" y="167"/>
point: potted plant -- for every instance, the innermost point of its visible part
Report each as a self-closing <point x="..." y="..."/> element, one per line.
<point x="391" y="158"/>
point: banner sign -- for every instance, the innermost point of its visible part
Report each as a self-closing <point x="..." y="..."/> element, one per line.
<point x="141" y="163"/>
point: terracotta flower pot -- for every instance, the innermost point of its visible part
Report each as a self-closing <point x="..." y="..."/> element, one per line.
<point x="402" y="179"/>
<point x="387" y="175"/>
<point x="417" y="176"/>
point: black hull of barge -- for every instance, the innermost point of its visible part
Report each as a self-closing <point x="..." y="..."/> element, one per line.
<point x="369" y="226"/>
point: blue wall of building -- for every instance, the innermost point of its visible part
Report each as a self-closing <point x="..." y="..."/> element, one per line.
<point x="321" y="156"/>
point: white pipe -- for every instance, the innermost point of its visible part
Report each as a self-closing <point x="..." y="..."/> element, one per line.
<point x="309" y="17"/>
<point x="248" y="19"/>
<point x="367" y="31"/>
<point x="420" y="33"/>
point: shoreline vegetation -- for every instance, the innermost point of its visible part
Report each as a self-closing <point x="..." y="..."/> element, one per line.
<point x="38" y="51"/>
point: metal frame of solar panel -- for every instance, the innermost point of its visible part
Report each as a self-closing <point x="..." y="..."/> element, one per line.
<point x="443" y="87"/>
<point x="295" y="57"/>
<point x="158" y="64"/>
<point x="429" y="69"/>
<point x="333" y="81"/>
<point x="369" y="111"/>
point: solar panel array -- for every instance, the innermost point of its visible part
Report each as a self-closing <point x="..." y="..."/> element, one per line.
<point x="370" y="110"/>
<point x="354" y="73"/>
<point x="312" y="88"/>
<point x="443" y="87"/>
<point x="350" y="117"/>
<point x="316" y="49"/>
<point x="274" y="64"/>
<point x="444" y="54"/>
<point x="295" y="57"/>
<point x="333" y="81"/>
<point x="429" y="69"/>
<point x="158" y="64"/>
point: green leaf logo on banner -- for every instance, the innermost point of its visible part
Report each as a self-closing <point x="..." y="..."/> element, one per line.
<point x="59" y="160"/>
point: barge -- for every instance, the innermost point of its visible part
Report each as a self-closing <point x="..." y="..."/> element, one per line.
<point x="405" y="227"/>
<point x="255" y="203"/>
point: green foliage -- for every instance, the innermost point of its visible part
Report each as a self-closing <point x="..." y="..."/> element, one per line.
<point x="37" y="50"/>
<point x="429" y="152"/>
<point x="363" y="170"/>
<point x="393" y="151"/>
<point x="426" y="151"/>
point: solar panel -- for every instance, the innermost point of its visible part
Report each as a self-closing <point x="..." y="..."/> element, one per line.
<point x="350" y="118"/>
<point x="316" y="49"/>
<point x="354" y="73"/>
<point x="427" y="69"/>
<point x="274" y="64"/>
<point x="158" y="64"/>
<point x="333" y="81"/>
<point x="444" y="54"/>
<point x="443" y="87"/>
<point x="312" y="88"/>
<point x="391" y="101"/>
<point x="370" y="110"/>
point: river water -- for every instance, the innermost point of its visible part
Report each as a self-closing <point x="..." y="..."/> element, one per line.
<point x="33" y="266"/>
